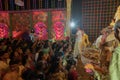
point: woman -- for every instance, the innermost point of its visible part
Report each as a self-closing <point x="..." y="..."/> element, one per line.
<point x="114" y="67"/>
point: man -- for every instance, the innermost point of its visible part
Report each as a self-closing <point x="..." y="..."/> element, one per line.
<point x="77" y="49"/>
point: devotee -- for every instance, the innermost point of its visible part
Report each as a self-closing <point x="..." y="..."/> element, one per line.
<point x="114" y="67"/>
<point x="102" y="38"/>
<point x="4" y="62"/>
<point x="13" y="73"/>
<point x="56" y="68"/>
<point x="73" y="74"/>
<point x="35" y="60"/>
<point x="32" y="36"/>
<point x="85" y="41"/>
<point x="77" y="49"/>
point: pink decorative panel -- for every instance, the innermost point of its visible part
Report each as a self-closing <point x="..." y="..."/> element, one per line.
<point x="58" y="24"/>
<point x="59" y="30"/>
<point x="40" y="20"/>
<point x="41" y="31"/>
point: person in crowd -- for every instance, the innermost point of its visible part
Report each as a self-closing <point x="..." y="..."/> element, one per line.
<point x="13" y="73"/>
<point x="29" y="74"/>
<point x="56" y="69"/>
<point x="77" y="49"/>
<point x="73" y="74"/>
<point x="40" y="67"/>
<point x="4" y="62"/>
<point x="32" y="35"/>
<point x="114" y="67"/>
<point x="85" y="41"/>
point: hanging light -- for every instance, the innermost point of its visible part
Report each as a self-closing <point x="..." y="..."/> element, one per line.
<point x="19" y="2"/>
<point x="72" y="24"/>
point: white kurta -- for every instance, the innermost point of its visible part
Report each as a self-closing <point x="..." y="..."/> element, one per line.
<point x="77" y="49"/>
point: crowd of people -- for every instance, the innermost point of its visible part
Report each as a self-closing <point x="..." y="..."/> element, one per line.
<point x="38" y="60"/>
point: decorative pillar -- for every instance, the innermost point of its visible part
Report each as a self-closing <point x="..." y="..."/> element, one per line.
<point x="0" y="4"/>
<point x="68" y="30"/>
<point x="11" y="29"/>
<point x="31" y="20"/>
<point x="49" y="25"/>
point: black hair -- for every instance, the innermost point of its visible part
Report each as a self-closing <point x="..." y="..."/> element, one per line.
<point x="32" y="31"/>
<point x="54" y="65"/>
<point x="24" y="59"/>
<point x="41" y="53"/>
<point x="2" y="52"/>
<point x="29" y="75"/>
<point x="58" y="54"/>
<point x="46" y="44"/>
<point x="13" y="61"/>
<point x="39" y="66"/>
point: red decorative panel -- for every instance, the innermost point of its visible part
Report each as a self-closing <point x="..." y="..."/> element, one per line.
<point x="41" y="31"/>
<point x="58" y="16"/>
<point x="20" y="22"/>
<point x="4" y="18"/>
<point x="58" y="24"/>
<point x="3" y="30"/>
<point x="40" y="16"/>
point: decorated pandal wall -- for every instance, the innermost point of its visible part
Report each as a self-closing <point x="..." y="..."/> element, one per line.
<point x="97" y="57"/>
<point x="46" y="24"/>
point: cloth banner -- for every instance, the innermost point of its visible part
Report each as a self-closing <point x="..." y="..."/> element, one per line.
<point x="19" y="2"/>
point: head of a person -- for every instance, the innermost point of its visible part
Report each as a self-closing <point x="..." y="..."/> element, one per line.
<point x="14" y="65"/>
<point x="32" y="31"/>
<point x="78" y="28"/>
<point x="117" y="30"/>
<point x="19" y="50"/>
<point x="4" y="55"/>
<point x="27" y="51"/>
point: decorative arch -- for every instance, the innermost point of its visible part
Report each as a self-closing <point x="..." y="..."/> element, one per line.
<point x="41" y="31"/>
<point x="59" y="30"/>
<point x="4" y="31"/>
